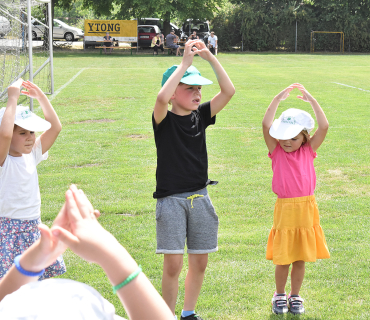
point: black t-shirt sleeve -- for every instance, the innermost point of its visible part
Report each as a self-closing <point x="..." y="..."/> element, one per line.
<point x="205" y="114"/>
<point x="159" y="126"/>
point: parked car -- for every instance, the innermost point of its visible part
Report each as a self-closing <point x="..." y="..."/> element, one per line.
<point x="61" y="30"/>
<point x="146" y="33"/>
<point x="4" y="26"/>
<point x="159" y="23"/>
<point x="200" y="26"/>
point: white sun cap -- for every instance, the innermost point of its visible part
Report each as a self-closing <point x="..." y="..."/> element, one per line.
<point x="57" y="299"/>
<point x="26" y="119"/>
<point x="291" y="123"/>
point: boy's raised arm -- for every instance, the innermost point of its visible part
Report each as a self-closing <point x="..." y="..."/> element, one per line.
<point x="221" y="99"/>
<point x="169" y="88"/>
<point x="49" y="136"/>
<point x="7" y="122"/>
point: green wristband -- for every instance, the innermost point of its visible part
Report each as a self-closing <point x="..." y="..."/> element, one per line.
<point x="131" y="277"/>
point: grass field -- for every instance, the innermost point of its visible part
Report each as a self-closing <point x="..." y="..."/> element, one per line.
<point x="107" y="148"/>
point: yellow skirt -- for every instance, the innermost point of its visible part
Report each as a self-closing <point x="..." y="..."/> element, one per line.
<point x="296" y="233"/>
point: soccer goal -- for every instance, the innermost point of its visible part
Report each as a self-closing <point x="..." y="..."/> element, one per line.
<point x="26" y="51"/>
<point x="315" y="42"/>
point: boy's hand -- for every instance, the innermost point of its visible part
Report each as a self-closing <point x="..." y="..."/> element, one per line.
<point x="187" y="59"/>
<point x="14" y="89"/>
<point x="201" y="49"/>
<point x="33" y="90"/>
<point x="306" y="96"/>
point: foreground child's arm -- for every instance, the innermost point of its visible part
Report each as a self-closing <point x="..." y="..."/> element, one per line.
<point x="93" y="243"/>
<point x="7" y="123"/>
<point x="322" y="123"/>
<point x="37" y="257"/>
<point x="268" y="119"/>
<point x="41" y="254"/>
<point x="169" y="88"/>
<point x="221" y="99"/>
<point x="49" y="136"/>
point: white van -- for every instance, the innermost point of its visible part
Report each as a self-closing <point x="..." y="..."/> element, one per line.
<point x="4" y="26"/>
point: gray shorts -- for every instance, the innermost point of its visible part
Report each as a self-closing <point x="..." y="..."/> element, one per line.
<point x="179" y="218"/>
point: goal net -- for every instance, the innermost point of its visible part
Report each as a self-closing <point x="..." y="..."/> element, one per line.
<point x="327" y="41"/>
<point x="25" y="51"/>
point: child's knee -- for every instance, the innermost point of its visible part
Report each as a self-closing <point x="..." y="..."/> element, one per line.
<point x="198" y="262"/>
<point x="299" y="264"/>
<point x="172" y="265"/>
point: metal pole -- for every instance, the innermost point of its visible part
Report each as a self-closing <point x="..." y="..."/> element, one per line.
<point x="296" y="34"/>
<point x="51" y="47"/>
<point x="30" y="47"/>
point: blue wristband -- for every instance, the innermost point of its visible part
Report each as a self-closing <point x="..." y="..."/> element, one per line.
<point x="25" y="272"/>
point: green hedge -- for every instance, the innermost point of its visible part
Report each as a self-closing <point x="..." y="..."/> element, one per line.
<point x="271" y="25"/>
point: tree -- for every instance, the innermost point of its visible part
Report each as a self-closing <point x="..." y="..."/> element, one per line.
<point x="164" y="9"/>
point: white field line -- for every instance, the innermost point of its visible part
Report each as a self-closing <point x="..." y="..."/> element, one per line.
<point x="66" y="84"/>
<point x="346" y="85"/>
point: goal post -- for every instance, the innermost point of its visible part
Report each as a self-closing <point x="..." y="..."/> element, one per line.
<point x="25" y="53"/>
<point x="313" y="39"/>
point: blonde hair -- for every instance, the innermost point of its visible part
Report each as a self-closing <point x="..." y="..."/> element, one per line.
<point x="306" y="136"/>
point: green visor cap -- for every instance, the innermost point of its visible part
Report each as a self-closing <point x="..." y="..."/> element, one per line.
<point x="191" y="77"/>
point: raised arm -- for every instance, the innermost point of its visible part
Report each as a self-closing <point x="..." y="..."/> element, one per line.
<point x="169" y="88"/>
<point x="7" y="123"/>
<point x="220" y="100"/>
<point x="93" y="243"/>
<point x="268" y="119"/>
<point x="49" y="136"/>
<point x="322" y="123"/>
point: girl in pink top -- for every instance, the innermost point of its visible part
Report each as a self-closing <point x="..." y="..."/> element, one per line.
<point x="296" y="236"/>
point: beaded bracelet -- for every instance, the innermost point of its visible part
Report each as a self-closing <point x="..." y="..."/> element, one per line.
<point x="131" y="277"/>
<point x="25" y="272"/>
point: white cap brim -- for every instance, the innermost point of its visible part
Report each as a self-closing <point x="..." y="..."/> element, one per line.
<point x="33" y="123"/>
<point x="195" y="80"/>
<point x="284" y="131"/>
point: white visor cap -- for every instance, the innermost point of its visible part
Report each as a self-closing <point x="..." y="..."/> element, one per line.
<point x="57" y="299"/>
<point x="291" y="123"/>
<point x="26" y="119"/>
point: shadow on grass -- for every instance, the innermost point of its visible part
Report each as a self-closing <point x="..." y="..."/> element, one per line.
<point x="290" y="316"/>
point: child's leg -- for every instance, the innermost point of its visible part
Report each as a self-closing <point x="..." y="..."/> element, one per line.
<point x="281" y="276"/>
<point x="297" y="276"/>
<point x="194" y="279"/>
<point x="172" y="265"/>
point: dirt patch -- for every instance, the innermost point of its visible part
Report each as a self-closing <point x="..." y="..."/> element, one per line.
<point x="137" y="136"/>
<point x="336" y="172"/>
<point x="94" y="121"/>
<point x="87" y="165"/>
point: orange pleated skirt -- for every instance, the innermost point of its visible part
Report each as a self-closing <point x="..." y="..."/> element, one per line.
<point x="296" y="233"/>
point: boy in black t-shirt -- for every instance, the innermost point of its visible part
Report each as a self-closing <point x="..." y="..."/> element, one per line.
<point x="184" y="209"/>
